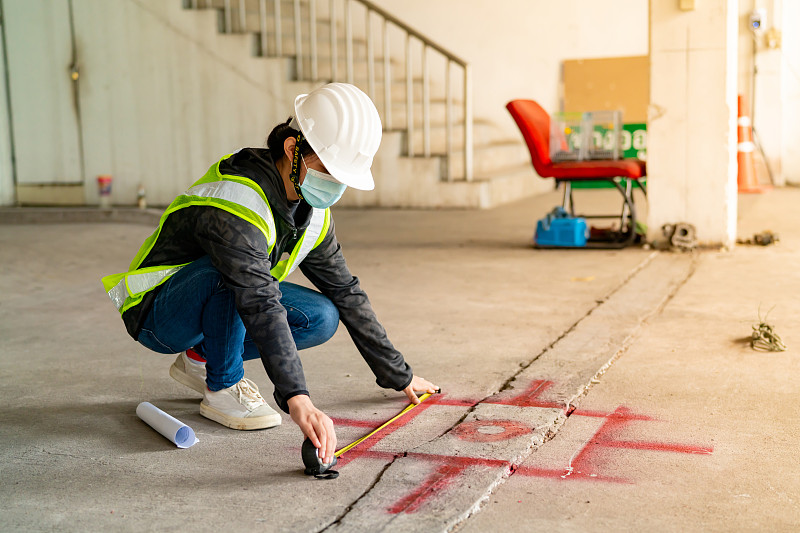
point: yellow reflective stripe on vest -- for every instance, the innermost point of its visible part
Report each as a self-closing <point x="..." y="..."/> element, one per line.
<point x="312" y="237"/>
<point x="136" y="283"/>
<point x="240" y="194"/>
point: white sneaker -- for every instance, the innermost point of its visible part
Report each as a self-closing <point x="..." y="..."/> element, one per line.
<point x="239" y="407"/>
<point x="189" y="373"/>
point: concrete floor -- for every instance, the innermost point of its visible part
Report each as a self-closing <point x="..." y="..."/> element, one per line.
<point x="689" y="429"/>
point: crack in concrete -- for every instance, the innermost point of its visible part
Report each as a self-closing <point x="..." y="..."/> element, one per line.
<point x="512" y="468"/>
<point x="39" y="450"/>
<point x="555" y="428"/>
<point x="349" y="508"/>
<point x="628" y="341"/>
<point x="507" y="385"/>
<point x="598" y="303"/>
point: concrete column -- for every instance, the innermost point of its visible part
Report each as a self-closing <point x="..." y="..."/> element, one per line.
<point x="691" y="141"/>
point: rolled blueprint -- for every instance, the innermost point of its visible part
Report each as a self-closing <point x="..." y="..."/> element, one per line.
<point x="179" y="433"/>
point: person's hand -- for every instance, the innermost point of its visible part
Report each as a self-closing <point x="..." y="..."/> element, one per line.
<point x="419" y="384"/>
<point x="315" y="425"/>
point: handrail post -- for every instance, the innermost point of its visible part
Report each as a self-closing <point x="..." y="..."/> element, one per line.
<point x="278" y="28"/>
<point x="426" y="104"/>
<point x="262" y="22"/>
<point x="468" y="171"/>
<point x="298" y="39"/>
<point x="409" y="98"/>
<point x="348" y="39"/>
<point x="312" y="36"/>
<point x="427" y="47"/>
<point x="334" y="51"/>
<point x="387" y="78"/>
<point x="448" y="121"/>
<point x="242" y="16"/>
<point x="228" y="21"/>
<point x="370" y="56"/>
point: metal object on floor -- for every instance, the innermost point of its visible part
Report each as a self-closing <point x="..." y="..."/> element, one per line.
<point x="626" y="234"/>
<point x="765" y="238"/>
<point x="681" y="235"/>
<point x="764" y="338"/>
<point x="314" y="465"/>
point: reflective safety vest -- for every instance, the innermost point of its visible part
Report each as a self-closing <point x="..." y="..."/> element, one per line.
<point x="238" y="195"/>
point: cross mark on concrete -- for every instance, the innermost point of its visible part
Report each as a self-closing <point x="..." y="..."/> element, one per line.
<point x="584" y="464"/>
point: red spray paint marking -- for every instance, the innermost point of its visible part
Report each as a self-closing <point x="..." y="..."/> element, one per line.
<point x="449" y="467"/>
<point x="585" y="463"/>
<point x="531" y="397"/>
<point x="490" y="430"/>
<point x="455" y="402"/>
<point x="362" y="448"/>
<point x="657" y="447"/>
<point x="437" y="458"/>
<point x="604" y="414"/>
<point x="443" y="477"/>
<point x="582" y="467"/>
<point x="349" y="422"/>
<point x="584" y="460"/>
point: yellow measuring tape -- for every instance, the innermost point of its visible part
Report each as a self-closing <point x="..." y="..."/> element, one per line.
<point x="362" y="439"/>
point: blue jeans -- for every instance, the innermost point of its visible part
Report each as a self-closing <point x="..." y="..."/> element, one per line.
<point x="196" y="310"/>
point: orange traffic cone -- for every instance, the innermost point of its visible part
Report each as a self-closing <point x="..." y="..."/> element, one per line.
<point x="748" y="183"/>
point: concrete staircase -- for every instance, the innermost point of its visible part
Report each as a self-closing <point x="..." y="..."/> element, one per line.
<point x="405" y="176"/>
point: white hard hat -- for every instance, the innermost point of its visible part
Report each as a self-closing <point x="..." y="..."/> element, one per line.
<point x="342" y="126"/>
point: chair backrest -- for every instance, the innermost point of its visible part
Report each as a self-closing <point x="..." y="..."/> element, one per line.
<point x="534" y="123"/>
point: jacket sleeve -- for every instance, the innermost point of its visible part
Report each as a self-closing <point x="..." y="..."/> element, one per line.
<point x="325" y="267"/>
<point x="240" y="252"/>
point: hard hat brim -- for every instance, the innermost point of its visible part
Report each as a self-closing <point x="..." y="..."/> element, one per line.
<point x="362" y="182"/>
<point x="359" y="180"/>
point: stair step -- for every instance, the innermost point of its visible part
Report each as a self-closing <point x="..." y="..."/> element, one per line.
<point x="483" y="132"/>
<point x="437" y="110"/>
<point x="253" y="16"/>
<point x="253" y="26"/>
<point x="525" y="169"/>
<point x="252" y="21"/>
<point x="488" y="157"/>
<point x="496" y="160"/>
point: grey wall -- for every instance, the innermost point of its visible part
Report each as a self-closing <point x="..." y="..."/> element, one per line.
<point x="162" y="94"/>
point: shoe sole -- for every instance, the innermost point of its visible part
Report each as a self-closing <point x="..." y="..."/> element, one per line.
<point x="184" y="379"/>
<point x="233" y="422"/>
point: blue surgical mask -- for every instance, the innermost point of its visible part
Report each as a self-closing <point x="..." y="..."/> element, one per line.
<point x="321" y="190"/>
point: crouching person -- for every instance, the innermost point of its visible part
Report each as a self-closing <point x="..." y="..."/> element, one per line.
<point x="209" y="282"/>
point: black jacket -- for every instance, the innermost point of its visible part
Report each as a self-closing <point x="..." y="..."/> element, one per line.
<point x="240" y="252"/>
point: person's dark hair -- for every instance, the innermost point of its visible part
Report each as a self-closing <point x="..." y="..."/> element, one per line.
<point x="278" y="136"/>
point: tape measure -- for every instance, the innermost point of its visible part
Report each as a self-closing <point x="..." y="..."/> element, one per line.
<point x="314" y="465"/>
<point x="365" y="437"/>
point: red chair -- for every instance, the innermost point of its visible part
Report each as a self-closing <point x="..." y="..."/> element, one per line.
<point x="534" y="122"/>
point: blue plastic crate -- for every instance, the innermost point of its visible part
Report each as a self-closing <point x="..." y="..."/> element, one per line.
<point x="560" y="229"/>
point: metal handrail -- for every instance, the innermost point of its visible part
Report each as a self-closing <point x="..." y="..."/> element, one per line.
<point x="387" y="19"/>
